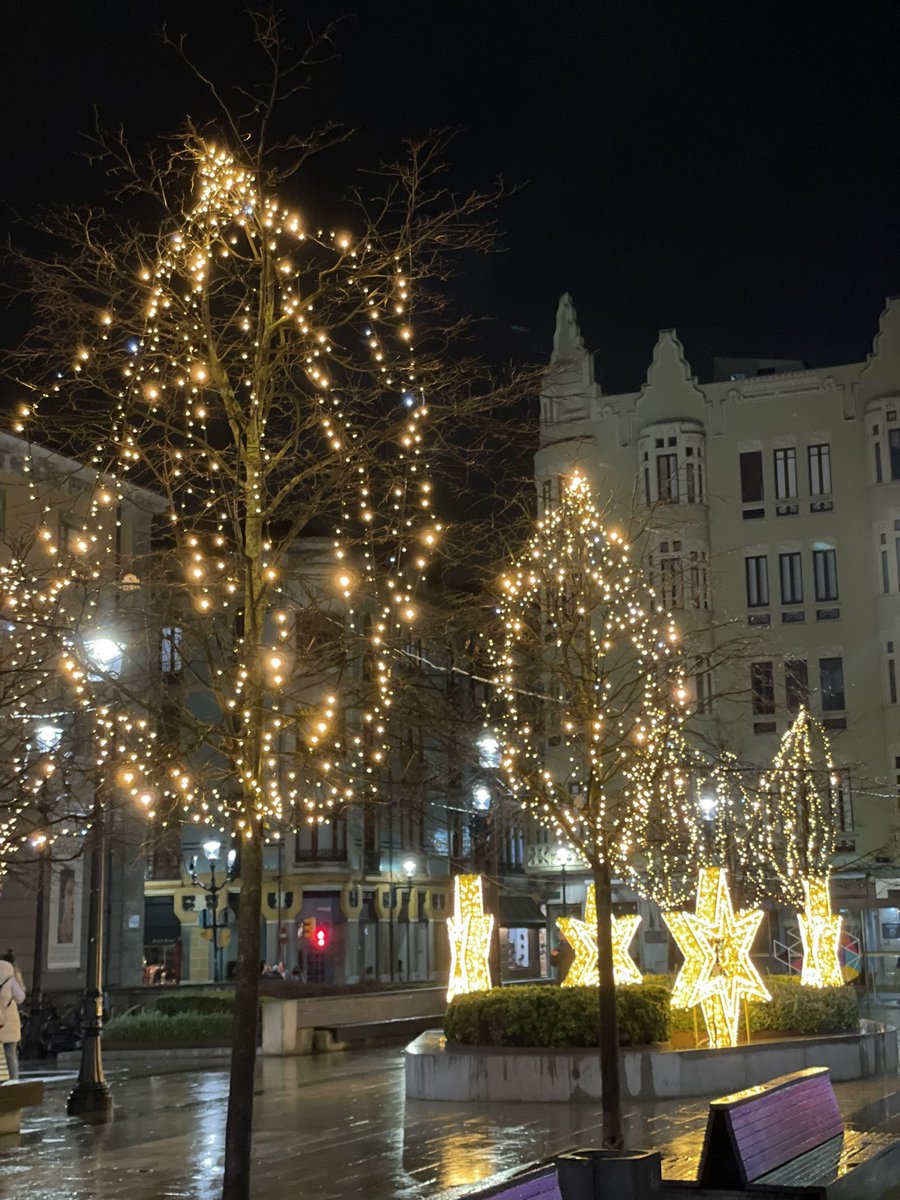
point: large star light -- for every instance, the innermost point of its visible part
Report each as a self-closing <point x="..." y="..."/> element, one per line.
<point x="582" y="937"/>
<point x="717" y="972"/>
<point x="820" y="932"/>
<point x="470" y="931"/>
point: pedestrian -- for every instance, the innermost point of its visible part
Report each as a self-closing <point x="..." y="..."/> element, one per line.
<point x="561" y="957"/>
<point x="12" y="994"/>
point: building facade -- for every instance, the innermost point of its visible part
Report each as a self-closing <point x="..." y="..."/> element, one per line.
<point x="770" y="500"/>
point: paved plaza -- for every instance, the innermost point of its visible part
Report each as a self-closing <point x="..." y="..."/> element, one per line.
<point x="333" y="1126"/>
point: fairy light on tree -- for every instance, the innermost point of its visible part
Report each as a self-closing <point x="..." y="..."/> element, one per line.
<point x="263" y="373"/>
<point x="589" y="675"/>
<point x="798" y="799"/>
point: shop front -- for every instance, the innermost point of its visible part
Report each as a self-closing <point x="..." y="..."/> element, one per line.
<point x="523" y="941"/>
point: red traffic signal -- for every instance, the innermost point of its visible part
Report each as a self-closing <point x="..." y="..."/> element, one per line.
<point x="322" y="937"/>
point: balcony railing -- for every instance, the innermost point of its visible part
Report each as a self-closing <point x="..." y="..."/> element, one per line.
<point x="544" y="856"/>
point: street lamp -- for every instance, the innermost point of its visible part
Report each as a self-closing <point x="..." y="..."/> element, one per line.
<point x="565" y="856"/>
<point x="481" y="797"/>
<point x="211" y="889"/>
<point x="90" y="1098"/>
<point x="410" y="866"/>
<point x="488" y="750"/>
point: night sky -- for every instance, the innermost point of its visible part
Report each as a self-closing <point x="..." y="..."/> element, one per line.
<point x="730" y="170"/>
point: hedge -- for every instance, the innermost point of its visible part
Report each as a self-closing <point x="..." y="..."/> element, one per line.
<point x="161" y="1032"/>
<point x="210" y="1002"/>
<point x="568" y="1017"/>
<point x="552" y="1016"/>
<point x="793" y="1009"/>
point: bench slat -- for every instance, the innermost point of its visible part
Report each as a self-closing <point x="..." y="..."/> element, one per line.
<point x="540" y="1184"/>
<point x="753" y="1133"/>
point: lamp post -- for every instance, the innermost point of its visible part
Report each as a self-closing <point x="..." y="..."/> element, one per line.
<point x="90" y="1098"/>
<point x="564" y="857"/>
<point x="212" y="888"/>
<point x="409" y="869"/>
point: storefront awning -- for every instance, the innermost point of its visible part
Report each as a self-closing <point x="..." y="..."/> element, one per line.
<point x="520" y="912"/>
<point x="160" y="923"/>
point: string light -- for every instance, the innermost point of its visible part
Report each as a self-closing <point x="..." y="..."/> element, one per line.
<point x="820" y="934"/>
<point x="799" y="801"/>
<point x="588" y="662"/>
<point x="582" y="936"/>
<point x="717" y="973"/>
<point x="190" y="375"/>
<point x="470" y="931"/>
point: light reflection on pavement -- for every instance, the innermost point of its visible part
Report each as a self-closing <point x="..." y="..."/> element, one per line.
<point x="330" y="1126"/>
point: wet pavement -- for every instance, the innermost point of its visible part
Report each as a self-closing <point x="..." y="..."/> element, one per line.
<point x="333" y="1126"/>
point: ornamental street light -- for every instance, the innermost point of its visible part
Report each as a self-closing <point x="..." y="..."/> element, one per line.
<point x="211" y="889"/>
<point x="410" y="866"/>
<point x="90" y="1098"/>
<point x="565" y="856"/>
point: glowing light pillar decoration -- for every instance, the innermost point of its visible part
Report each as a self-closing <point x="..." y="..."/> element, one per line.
<point x="717" y="972"/>
<point x="470" y="930"/>
<point x="820" y="932"/>
<point x="582" y="937"/>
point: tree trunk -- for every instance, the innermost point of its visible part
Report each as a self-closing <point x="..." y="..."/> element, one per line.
<point x="611" y="1101"/>
<point x="238" y="1128"/>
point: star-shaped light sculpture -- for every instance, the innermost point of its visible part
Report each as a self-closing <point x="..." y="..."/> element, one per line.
<point x="820" y="932"/>
<point x="582" y="937"/>
<point x="470" y="931"/>
<point x="717" y="972"/>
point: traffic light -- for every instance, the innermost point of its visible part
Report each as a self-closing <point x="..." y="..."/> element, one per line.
<point x="309" y="928"/>
<point x="322" y="937"/>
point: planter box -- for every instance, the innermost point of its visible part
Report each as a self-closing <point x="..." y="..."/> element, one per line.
<point x="438" y="1070"/>
<point x="293" y="1026"/>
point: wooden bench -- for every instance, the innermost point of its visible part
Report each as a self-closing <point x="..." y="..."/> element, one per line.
<point x="14" y="1096"/>
<point x="787" y="1138"/>
<point x="534" y="1183"/>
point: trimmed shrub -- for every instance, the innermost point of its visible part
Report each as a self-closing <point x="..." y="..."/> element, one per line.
<point x="209" y="1002"/>
<point x="552" y="1016"/>
<point x="159" y="1032"/>
<point x="793" y="1009"/>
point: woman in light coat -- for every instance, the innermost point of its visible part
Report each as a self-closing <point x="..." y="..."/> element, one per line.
<point x="12" y="995"/>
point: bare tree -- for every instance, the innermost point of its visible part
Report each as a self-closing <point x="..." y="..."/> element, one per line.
<point x="278" y="381"/>
<point x="590" y="679"/>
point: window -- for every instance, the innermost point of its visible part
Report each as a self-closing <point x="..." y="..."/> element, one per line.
<point x="670" y="575"/>
<point x="877" y="449"/>
<point x="842" y="801"/>
<point x="831" y="684"/>
<point x="891" y="674"/>
<point x="325" y="841"/>
<point x="791" y="571"/>
<point x="693" y="477"/>
<point x="819" y="458"/>
<point x="703" y="689"/>
<point x="757" y="568"/>
<point x="885" y="570"/>
<point x="894" y="452"/>
<point x="698" y="580"/>
<point x="786" y="473"/>
<point x="762" y="688"/>
<point x="796" y="684"/>
<point x="170" y="661"/>
<point x="667" y="478"/>
<point x="2" y="511"/>
<point x="751" y="477"/>
<point x="546" y="495"/>
<point x="825" y="574"/>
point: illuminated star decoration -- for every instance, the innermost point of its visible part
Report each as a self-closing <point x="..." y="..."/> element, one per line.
<point x="582" y="937"/>
<point x="470" y="930"/>
<point x="820" y="932"/>
<point x="717" y="972"/>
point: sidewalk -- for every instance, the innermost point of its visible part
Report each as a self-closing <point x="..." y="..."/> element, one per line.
<point x="333" y="1126"/>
